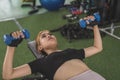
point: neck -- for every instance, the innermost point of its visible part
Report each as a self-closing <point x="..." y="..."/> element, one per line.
<point x="49" y="51"/>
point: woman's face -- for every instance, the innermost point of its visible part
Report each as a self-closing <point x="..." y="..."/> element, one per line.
<point x="47" y="40"/>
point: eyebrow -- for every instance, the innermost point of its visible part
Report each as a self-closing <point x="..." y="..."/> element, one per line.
<point x="44" y="33"/>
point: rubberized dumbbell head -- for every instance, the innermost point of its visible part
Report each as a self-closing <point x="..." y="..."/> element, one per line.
<point x="82" y="23"/>
<point x="26" y="33"/>
<point x="8" y="38"/>
<point x="97" y="16"/>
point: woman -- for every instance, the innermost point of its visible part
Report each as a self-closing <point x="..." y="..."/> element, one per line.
<point x="58" y="64"/>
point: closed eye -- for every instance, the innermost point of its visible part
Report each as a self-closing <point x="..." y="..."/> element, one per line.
<point x="43" y="36"/>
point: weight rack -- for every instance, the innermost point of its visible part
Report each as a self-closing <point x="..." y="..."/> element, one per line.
<point x="111" y="32"/>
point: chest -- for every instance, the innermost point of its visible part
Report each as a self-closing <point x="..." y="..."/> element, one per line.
<point x="54" y="61"/>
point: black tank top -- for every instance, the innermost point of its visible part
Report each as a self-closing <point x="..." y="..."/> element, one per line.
<point x="49" y="65"/>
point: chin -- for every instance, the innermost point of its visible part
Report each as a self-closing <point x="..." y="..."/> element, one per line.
<point x="51" y="44"/>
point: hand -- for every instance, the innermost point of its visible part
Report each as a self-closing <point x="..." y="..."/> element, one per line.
<point x="18" y="37"/>
<point x="93" y="23"/>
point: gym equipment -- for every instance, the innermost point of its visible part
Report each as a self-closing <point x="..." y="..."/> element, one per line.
<point x="110" y="30"/>
<point x="76" y="3"/>
<point x="33" y="6"/>
<point x="75" y="11"/>
<point x="83" y="23"/>
<point x="68" y="16"/>
<point x="31" y="44"/>
<point x="82" y="5"/>
<point x="73" y="19"/>
<point x="73" y="30"/>
<point x="8" y="38"/>
<point x="109" y="11"/>
<point x="52" y="5"/>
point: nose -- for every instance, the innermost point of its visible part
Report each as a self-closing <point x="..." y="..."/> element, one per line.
<point x="48" y="36"/>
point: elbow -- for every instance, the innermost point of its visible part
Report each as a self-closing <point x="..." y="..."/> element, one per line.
<point x="100" y="49"/>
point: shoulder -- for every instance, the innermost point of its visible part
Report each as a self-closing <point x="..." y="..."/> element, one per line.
<point x="36" y="62"/>
<point x="75" y="50"/>
<point x="75" y="53"/>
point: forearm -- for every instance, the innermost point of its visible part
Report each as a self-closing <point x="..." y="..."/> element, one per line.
<point x="97" y="38"/>
<point x="97" y="45"/>
<point x="8" y="62"/>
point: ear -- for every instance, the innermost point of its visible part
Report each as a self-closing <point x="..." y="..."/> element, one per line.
<point x="40" y="48"/>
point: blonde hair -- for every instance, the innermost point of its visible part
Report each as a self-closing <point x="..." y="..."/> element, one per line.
<point x="37" y="40"/>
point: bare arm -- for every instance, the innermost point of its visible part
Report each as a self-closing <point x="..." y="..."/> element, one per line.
<point x="8" y="71"/>
<point x="97" y="45"/>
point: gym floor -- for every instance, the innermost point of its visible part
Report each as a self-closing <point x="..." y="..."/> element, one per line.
<point x="105" y="63"/>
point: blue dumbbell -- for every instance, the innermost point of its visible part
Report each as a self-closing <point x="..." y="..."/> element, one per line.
<point x="8" y="39"/>
<point x="83" y="23"/>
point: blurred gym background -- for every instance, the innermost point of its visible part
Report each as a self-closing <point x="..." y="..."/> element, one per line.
<point x="36" y="17"/>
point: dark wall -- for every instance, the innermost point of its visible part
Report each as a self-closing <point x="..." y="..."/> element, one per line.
<point x="109" y="9"/>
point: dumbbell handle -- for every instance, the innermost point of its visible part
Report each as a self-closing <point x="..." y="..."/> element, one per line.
<point x="8" y="38"/>
<point x="83" y="23"/>
<point x="20" y="27"/>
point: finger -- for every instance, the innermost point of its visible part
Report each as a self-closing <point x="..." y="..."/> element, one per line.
<point x="14" y="35"/>
<point x="18" y="34"/>
<point x="21" y="34"/>
<point x="91" y="17"/>
<point x="85" y="18"/>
